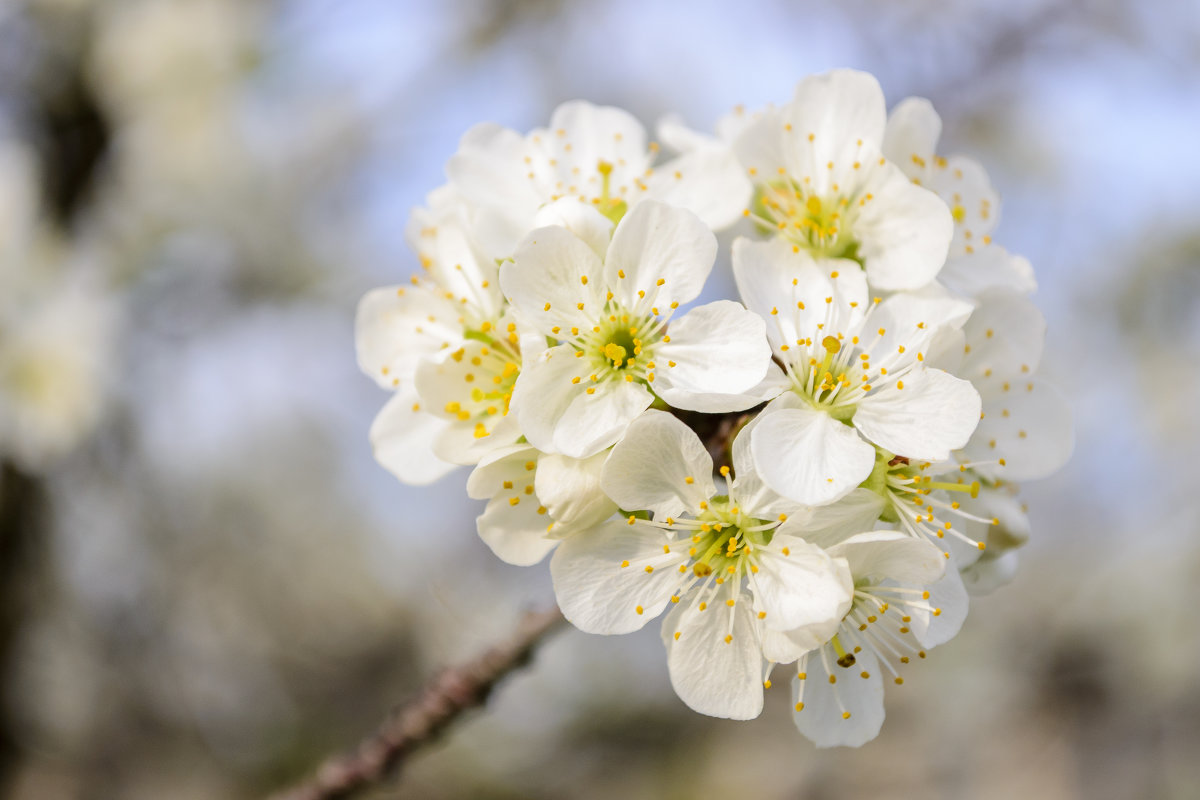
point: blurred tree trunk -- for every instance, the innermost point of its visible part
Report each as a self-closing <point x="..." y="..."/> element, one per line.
<point x="23" y="518"/>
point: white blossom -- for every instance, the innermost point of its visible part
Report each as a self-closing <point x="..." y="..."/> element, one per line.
<point x="535" y="499"/>
<point x="597" y="154"/>
<point x="731" y="566"/>
<point x="838" y="688"/>
<point x="975" y="262"/>
<point x="856" y="377"/>
<point x="823" y="183"/>
<point x="610" y="317"/>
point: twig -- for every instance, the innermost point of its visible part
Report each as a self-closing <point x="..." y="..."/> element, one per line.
<point x="443" y="700"/>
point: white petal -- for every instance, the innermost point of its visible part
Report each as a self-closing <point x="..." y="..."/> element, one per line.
<point x="598" y="595"/>
<point x="988" y="575"/>
<point x="890" y="555"/>
<point x="989" y="267"/>
<point x="933" y="414"/>
<point x="788" y="289"/>
<point x="838" y="108"/>
<point x="808" y="456"/>
<point x="914" y="320"/>
<point x="402" y="438"/>
<point x="1029" y="425"/>
<point x="570" y="489"/>
<point x="543" y="393"/>
<point x="913" y="130"/>
<point x="512" y="463"/>
<point x="804" y="588"/>
<point x="716" y="350"/>
<point x="904" y="233"/>
<point x="675" y="134"/>
<point x="489" y="170"/>
<point x="581" y="219"/>
<point x="460" y="267"/>
<point x="581" y="135"/>
<point x="950" y="597"/>
<point x="760" y="146"/>
<point x="397" y="326"/>
<point x="447" y="382"/>
<point x="710" y="675"/>
<point x="822" y="717"/>
<point x="748" y="490"/>
<point x="829" y="524"/>
<point x="1005" y="337"/>
<point x="654" y="242"/>
<point x="596" y="421"/>
<point x="963" y="185"/>
<point x="552" y="273"/>
<point x="649" y="469"/>
<point x="771" y="386"/>
<point x="515" y="533"/>
<point x="708" y="181"/>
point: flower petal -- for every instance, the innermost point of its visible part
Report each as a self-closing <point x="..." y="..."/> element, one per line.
<point x="515" y="533"/>
<point x="498" y="466"/>
<point x="489" y="170"/>
<point x="806" y="587"/>
<point x="708" y="181"/>
<point x="807" y="456"/>
<point x="989" y="267"/>
<point x="890" y="555"/>
<point x="839" y="110"/>
<point x="397" y="326"/>
<point x="847" y="713"/>
<point x="581" y="219"/>
<point x="654" y="242"/>
<point x="543" y="393"/>
<point x="949" y="597"/>
<point x="599" y="595"/>
<point x="1005" y="336"/>
<point x="710" y="674"/>
<point x="716" y="351"/>
<point x="760" y="146"/>
<point x="829" y="524"/>
<point x="596" y="421"/>
<point x="650" y="468"/>
<point x="1028" y="425"/>
<point x="552" y="273"/>
<point x="904" y="233"/>
<point x="913" y="130"/>
<point x="933" y="414"/>
<point x="402" y="439"/>
<point x="570" y="489"/>
<point x="988" y="574"/>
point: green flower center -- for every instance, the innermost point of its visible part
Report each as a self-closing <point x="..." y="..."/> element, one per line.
<point x="821" y="224"/>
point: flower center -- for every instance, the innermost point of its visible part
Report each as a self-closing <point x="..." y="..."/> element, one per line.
<point x="820" y="224"/>
<point x="620" y="345"/>
<point x="725" y="538"/>
<point x="490" y="364"/>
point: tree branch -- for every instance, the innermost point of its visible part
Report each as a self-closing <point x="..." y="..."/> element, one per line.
<point x="443" y="700"/>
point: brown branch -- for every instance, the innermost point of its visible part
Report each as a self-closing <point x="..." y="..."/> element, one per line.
<point x="443" y="700"/>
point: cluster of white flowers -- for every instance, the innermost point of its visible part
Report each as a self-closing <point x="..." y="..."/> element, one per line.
<point x="876" y="390"/>
<point x="56" y="326"/>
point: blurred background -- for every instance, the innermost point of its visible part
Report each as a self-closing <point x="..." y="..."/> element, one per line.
<point x="206" y="583"/>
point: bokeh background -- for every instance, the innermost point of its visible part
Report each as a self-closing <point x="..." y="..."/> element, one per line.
<point x="213" y="584"/>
